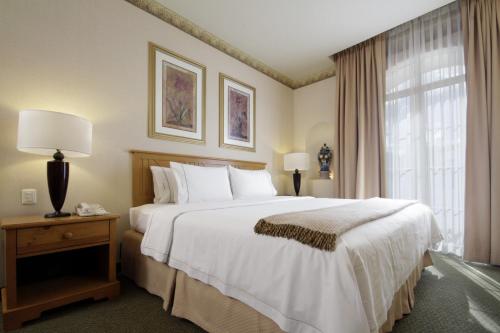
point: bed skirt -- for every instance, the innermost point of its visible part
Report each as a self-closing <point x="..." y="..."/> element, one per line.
<point x="157" y="278"/>
<point x="208" y="308"/>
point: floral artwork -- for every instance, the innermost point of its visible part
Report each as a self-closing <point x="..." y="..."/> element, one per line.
<point x="176" y="97"/>
<point x="239" y="115"/>
<point x="179" y="98"/>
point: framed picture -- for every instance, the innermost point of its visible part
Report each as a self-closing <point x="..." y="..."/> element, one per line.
<point x="176" y="97"/>
<point x="237" y="114"/>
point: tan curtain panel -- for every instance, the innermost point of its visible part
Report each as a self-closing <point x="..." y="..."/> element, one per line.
<point x="359" y="143"/>
<point x="481" y="26"/>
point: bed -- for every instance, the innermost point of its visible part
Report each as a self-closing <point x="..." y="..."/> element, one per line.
<point x="209" y="267"/>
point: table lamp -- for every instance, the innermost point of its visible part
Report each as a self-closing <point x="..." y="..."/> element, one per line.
<point x="296" y="161"/>
<point x="58" y="134"/>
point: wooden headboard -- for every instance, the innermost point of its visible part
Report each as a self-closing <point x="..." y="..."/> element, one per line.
<point x="142" y="179"/>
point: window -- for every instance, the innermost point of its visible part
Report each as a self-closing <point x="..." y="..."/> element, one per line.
<point x="425" y="118"/>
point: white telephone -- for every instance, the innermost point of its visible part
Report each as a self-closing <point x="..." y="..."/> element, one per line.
<point x="85" y="209"/>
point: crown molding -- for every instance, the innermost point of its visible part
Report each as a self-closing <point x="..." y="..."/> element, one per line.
<point x="315" y="78"/>
<point x="169" y="16"/>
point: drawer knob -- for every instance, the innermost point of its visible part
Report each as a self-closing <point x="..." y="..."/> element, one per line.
<point x="68" y="235"/>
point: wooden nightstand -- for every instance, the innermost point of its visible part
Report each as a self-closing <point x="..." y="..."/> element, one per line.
<point x="57" y="261"/>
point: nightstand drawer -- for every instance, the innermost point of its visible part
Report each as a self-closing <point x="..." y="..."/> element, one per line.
<point x="40" y="239"/>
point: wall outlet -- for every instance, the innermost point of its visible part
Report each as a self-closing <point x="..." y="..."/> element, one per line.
<point x="28" y="196"/>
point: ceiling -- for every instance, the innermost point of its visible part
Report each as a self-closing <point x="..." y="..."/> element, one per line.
<point x="296" y="37"/>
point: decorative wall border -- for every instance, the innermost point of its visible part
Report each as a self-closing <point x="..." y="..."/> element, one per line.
<point x="169" y="16"/>
<point x="315" y="78"/>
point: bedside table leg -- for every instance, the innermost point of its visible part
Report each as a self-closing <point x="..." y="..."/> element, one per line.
<point x="10" y="269"/>
<point x="112" y="251"/>
<point x="11" y="322"/>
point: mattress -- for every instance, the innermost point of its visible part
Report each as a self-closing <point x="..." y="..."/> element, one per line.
<point x="300" y="288"/>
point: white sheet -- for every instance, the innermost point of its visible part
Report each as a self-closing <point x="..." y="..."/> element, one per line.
<point x="302" y="289"/>
<point x="141" y="216"/>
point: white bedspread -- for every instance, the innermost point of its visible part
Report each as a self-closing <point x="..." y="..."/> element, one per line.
<point x="301" y="288"/>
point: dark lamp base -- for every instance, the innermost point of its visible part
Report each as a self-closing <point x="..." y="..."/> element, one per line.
<point x="57" y="214"/>
<point x="296" y="182"/>
<point x="57" y="179"/>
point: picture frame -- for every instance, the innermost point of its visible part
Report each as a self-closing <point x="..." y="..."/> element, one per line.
<point x="237" y="116"/>
<point x="177" y="94"/>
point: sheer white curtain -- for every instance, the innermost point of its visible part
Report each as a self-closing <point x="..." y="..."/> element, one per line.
<point x="425" y="118"/>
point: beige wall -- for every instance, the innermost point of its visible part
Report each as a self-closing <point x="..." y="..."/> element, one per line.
<point x="313" y="118"/>
<point x="89" y="57"/>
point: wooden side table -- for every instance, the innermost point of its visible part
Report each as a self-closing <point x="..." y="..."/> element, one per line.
<point x="57" y="261"/>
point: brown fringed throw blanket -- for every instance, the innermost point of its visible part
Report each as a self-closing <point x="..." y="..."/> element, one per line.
<point x="320" y="228"/>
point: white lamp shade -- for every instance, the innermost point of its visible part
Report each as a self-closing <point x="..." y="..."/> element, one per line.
<point x="299" y="161"/>
<point x="42" y="132"/>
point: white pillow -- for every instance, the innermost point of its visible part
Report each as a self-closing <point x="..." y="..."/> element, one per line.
<point x="181" y="193"/>
<point x="164" y="184"/>
<point x="247" y="184"/>
<point x="202" y="184"/>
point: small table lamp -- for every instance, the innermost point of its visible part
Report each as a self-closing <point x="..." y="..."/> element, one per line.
<point x="296" y="161"/>
<point x="46" y="133"/>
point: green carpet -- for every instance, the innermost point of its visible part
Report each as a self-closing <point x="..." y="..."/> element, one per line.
<point x="450" y="297"/>
<point x="453" y="296"/>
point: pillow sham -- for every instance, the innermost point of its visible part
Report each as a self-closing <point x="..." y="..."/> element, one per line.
<point x="202" y="184"/>
<point x="181" y="193"/>
<point x="164" y="185"/>
<point x="247" y="184"/>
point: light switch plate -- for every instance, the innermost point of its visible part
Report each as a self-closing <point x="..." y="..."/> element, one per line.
<point x="28" y="196"/>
